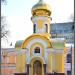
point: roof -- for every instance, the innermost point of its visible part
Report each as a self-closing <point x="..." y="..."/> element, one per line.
<point x="41" y="5"/>
<point x="33" y="36"/>
<point x="58" y="43"/>
<point x="18" y="43"/>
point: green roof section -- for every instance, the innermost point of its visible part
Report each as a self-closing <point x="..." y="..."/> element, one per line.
<point x="58" y="45"/>
<point x="18" y="44"/>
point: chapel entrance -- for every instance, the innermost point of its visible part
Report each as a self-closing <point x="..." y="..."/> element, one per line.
<point x="37" y="68"/>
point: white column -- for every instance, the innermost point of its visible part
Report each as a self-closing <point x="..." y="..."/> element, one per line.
<point x="7" y="59"/>
<point x="15" y="59"/>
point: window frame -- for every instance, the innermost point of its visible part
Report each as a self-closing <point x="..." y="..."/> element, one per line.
<point x="34" y="28"/>
<point x="36" y="51"/>
<point x="46" y="25"/>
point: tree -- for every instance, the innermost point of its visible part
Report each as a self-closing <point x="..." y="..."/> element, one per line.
<point x="71" y="17"/>
<point x="4" y="29"/>
<point x="3" y="1"/>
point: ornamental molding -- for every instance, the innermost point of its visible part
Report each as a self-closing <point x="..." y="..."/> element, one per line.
<point x="15" y="52"/>
<point x="34" y="57"/>
<point x="41" y="18"/>
<point x="51" y="50"/>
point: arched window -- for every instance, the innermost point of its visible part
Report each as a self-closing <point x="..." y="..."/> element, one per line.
<point x="34" y="28"/>
<point x="37" y="50"/>
<point x="46" y="27"/>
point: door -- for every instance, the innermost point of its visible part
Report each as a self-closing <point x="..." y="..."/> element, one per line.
<point x="37" y="68"/>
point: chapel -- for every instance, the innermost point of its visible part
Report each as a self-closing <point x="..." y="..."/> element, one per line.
<point x="43" y="54"/>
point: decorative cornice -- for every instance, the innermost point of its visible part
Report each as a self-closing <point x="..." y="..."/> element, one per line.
<point x="15" y="52"/>
<point x="49" y="50"/>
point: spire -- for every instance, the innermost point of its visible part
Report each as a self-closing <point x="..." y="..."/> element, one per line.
<point x="40" y="1"/>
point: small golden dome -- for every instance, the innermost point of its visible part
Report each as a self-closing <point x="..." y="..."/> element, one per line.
<point x="41" y="6"/>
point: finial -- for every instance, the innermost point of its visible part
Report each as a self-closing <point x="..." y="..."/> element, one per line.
<point x="40" y="0"/>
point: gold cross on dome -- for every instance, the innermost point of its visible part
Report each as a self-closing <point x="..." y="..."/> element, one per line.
<point x="39" y="0"/>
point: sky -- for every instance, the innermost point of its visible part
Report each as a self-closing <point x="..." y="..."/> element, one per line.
<point x="18" y="17"/>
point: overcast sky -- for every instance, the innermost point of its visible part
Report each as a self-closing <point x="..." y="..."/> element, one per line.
<point x="18" y="14"/>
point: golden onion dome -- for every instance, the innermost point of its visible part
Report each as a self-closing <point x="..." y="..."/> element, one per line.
<point x="41" y="6"/>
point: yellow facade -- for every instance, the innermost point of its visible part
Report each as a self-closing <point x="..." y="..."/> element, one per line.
<point x="40" y="23"/>
<point x="59" y="62"/>
<point x="50" y="63"/>
<point x="21" y="63"/>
